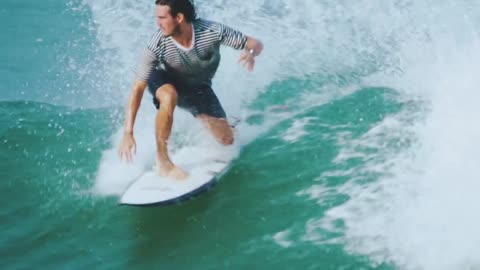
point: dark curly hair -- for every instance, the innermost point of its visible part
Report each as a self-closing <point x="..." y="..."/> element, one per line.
<point x="185" y="7"/>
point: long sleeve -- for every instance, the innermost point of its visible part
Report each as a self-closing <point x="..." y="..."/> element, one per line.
<point x="232" y="38"/>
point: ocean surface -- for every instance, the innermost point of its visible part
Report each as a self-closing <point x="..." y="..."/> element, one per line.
<point x="358" y="142"/>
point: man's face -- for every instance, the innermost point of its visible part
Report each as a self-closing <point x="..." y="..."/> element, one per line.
<point x="168" y="24"/>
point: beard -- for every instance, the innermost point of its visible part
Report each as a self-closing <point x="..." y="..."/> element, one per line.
<point x="176" y="31"/>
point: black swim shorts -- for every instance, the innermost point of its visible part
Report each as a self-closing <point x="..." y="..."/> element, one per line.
<point x="195" y="99"/>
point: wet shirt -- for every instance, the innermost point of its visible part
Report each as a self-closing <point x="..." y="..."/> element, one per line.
<point x="191" y="66"/>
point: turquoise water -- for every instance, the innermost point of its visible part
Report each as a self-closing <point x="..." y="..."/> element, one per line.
<point x="358" y="146"/>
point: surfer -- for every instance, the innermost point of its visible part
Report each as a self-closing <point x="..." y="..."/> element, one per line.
<point x="177" y="66"/>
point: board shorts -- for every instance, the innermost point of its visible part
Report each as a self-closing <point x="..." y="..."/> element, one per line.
<point x="195" y="99"/>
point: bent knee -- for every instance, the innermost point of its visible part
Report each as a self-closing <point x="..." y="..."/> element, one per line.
<point x="167" y="94"/>
<point x="226" y="140"/>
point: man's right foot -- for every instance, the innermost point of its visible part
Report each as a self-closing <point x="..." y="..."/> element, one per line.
<point x="173" y="172"/>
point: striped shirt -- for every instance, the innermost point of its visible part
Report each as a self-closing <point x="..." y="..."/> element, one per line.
<point x="195" y="65"/>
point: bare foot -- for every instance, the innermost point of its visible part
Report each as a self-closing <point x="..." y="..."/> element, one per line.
<point x="172" y="171"/>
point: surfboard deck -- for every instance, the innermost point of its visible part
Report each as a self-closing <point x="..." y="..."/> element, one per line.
<point x="150" y="189"/>
<point x="204" y="163"/>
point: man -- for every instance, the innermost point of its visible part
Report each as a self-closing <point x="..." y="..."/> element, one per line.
<point x="178" y="65"/>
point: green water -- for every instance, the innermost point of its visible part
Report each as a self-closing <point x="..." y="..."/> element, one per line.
<point x="50" y="219"/>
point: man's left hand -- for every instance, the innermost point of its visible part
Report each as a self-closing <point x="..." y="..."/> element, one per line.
<point x="248" y="59"/>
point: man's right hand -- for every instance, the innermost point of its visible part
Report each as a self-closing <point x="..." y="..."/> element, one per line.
<point x="127" y="147"/>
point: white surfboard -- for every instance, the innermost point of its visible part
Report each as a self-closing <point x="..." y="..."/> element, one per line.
<point x="204" y="168"/>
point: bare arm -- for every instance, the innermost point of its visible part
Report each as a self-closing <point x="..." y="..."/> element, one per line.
<point x="128" y="145"/>
<point x="136" y="95"/>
